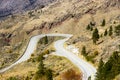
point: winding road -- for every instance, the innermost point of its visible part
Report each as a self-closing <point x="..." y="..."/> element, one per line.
<point x="86" y="68"/>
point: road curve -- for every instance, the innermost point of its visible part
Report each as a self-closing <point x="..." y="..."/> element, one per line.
<point x="85" y="67"/>
<point x="31" y="48"/>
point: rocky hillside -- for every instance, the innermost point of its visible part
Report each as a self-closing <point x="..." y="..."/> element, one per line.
<point x="8" y="7"/>
<point x="77" y="17"/>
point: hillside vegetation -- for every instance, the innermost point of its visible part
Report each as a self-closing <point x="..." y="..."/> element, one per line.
<point x="95" y="25"/>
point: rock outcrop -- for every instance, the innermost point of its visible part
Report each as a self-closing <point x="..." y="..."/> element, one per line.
<point x="8" y="7"/>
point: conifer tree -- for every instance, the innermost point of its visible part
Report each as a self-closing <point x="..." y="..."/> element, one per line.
<point x="103" y="22"/>
<point x="83" y="52"/>
<point x="95" y="36"/>
<point x="49" y="74"/>
<point x="40" y="68"/>
<point x="110" y="31"/>
<point x="99" y="73"/>
<point x="88" y="27"/>
<point x="46" y="40"/>
<point x="105" y="33"/>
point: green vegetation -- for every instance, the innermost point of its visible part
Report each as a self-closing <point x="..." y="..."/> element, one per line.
<point x="117" y="30"/>
<point x="41" y="68"/>
<point x="12" y="78"/>
<point x="83" y="52"/>
<point x="31" y="14"/>
<point x="106" y="32"/>
<point x="95" y="36"/>
<point x="110" y="31"/>
<point x="42" y="71"/>
<point x="110" y="69"/>
<point x="90" y="26"/>
<point x="46" y="40"/>
<point x="100" y="70"/>
<point x="49" y="74"/>
<point x="103" y="22"/>
<point x="92" y="56"/>
<point x="89" y="57"/>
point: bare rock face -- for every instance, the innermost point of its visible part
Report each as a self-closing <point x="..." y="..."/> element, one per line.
<point x="8" y="7"/>
<point x="112" y="3"/>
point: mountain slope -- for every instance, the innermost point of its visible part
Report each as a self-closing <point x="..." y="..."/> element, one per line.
<point x="64" y="16"/>
<point x="8" y="7"/>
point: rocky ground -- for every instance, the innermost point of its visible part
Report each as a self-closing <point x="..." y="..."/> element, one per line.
<point x="19" y="6"/>
<point x="65" y="16"/>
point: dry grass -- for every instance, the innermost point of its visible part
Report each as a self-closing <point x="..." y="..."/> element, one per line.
<point x="71" y="25"/>
<point x="61" y="67"/>
<point x="21" y="70"/>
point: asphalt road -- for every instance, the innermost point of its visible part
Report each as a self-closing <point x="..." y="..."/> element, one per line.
<point x="30" y="49"/>
<point x="86" y="68"/>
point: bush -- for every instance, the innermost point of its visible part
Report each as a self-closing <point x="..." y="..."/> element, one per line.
<point x="12" y="78"/>
<point x="71" y="75"/>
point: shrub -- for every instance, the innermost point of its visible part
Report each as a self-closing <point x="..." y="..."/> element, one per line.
<point x="12" y="78"/>
<point x="71" y="75"/>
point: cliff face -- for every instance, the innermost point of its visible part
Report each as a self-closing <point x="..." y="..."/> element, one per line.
<point x="8" y="7"/>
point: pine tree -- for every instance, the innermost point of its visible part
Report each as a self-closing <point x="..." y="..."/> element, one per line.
<point x="99" y="73"/>
<point x="40" y="71"/>
<point x="91" y="28"/>
<point x="95" y="36"/>
<point x="83" y="52"/>
<point x="49" y="74"/>
<point x="40" y="57"/>
<point x="103" y="22"/>
<point x="110" y="31"/>
<point x="105" y="33"/>
<point x="88" y="27"/>
<point x="46" y="40"/>
<point x="110" y="69"/>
